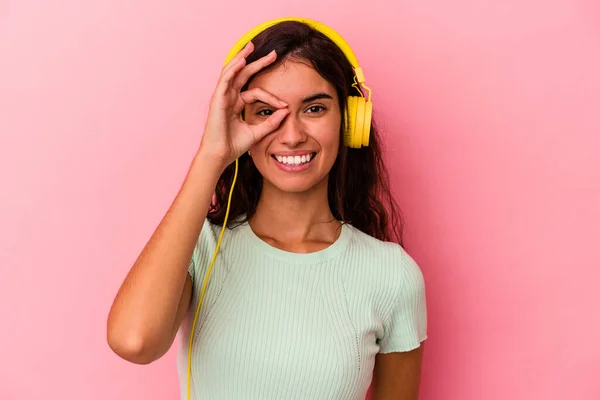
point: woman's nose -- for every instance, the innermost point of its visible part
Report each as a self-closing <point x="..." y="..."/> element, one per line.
<point x="291" y="131"/>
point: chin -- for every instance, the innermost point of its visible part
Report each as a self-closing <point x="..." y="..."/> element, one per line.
<point x="291" y="185"/>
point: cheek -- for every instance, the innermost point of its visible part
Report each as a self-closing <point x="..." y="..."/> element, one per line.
<point x="331" y="139"/>
<point x="330" y="145"/>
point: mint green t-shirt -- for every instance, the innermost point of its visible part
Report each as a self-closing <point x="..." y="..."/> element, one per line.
<point x="282" y="325"/>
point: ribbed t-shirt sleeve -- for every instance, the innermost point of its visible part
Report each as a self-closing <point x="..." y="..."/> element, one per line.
<point x="406" y="325"/>
<point x="203" y="251"/>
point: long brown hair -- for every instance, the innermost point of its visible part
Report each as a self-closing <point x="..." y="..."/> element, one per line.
<point x="358" y="183"/>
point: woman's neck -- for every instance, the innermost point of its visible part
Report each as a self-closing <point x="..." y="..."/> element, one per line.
<point x="294" y="218"/>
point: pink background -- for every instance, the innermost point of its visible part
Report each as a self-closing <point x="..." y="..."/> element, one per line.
<point x="491" y="113"/>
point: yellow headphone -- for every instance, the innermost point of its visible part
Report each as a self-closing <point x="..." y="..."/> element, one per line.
<point x="356" y="135"/>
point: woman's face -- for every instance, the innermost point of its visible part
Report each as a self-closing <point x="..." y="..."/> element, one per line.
<point x="300" y="153"/>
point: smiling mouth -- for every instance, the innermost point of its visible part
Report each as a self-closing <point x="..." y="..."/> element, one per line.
<point x="294" y="160"/>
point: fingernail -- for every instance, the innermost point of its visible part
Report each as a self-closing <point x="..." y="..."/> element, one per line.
<point x="283" y="102"/>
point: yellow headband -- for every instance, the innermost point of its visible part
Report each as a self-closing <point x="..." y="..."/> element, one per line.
<point x="327" y="31"/>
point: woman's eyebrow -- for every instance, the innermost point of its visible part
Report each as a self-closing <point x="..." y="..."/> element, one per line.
<point x="308" y="99"/>
<point x="317" y="96"/>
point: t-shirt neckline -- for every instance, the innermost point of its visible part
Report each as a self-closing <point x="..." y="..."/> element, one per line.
<point x="315" y="257"/>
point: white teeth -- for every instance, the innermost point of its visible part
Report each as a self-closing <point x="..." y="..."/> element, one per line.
<point x="294" y="160"/>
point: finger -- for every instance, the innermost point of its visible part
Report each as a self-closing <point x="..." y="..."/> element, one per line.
<point x="245" y="52"/>
<point x="259" y="94"/>
<point x="234" y="66"/>
<point x="269" y="125"/>
<point x="251" y="69"/>
<point x="224" y="82"/>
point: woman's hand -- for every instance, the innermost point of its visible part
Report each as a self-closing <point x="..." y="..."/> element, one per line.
<point x="226" y="135"/>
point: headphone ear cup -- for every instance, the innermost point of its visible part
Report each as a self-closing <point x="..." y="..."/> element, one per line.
<point x="349" y="132"/>
<point x="358" y="125"/>
<point x="357" y="135"/>
<point x="366" y="133"/>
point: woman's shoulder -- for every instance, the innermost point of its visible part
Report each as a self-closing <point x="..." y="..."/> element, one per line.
<point x="387" y="260"/>
<point x="363" y="242"/>
<point x="211" y="230"/>
<point x="209" y="240"/>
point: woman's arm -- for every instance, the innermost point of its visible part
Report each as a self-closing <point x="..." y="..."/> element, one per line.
<point x="153" y="298"/>
<point x="397" y="375"/>
<point x="152" y="301"/>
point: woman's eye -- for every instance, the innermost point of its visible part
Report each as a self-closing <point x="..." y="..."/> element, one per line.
<point x="315" y="109"/>
<point x="265" y="113"/>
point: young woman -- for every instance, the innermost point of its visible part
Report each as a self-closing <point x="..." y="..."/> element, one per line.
<point x="311" y="294"/>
